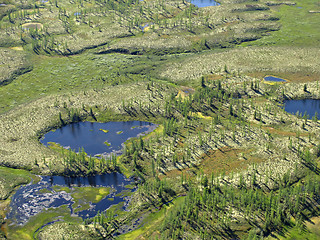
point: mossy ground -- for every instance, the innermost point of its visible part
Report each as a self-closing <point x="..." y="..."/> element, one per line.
<point x="299" y="26"/>
<point x="10" y="179"/>
<point x="27" y="231"/>
<point x="89" y="194"/>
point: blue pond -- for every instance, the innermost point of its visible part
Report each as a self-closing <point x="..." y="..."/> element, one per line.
<point x="310" y="107"/>
<point x="30" y="200"/>
<point x="204" y="3"/>
<point x="274" y="79"/>
<point x="94" y="140"/>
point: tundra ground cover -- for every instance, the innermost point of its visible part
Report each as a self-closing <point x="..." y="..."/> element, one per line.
<point x="237" y="165"/>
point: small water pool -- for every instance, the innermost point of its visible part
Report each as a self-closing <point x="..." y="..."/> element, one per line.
<point x="204" y="3"/>
<point x="146" y="27"/>
<point x="273" y="79"/>
<point x="310" y="107"/>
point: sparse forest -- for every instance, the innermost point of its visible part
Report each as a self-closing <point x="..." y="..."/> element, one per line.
<point x="203" y="144"/>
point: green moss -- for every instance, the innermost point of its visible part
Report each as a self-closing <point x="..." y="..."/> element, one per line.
<point x="90" y="194"/>
<point x="68" y="230"/>
<point x="79" y="208"/>
<point x="298" y="26"/>
<point x="60" y="189"/>
<point x="124" y="193"/>
<point x="10" y="179"/>
<point x="27" y="231"/>
<point x="103" y="130"/>
<point x="130" y="186"/>
<point x="44" y="190"/>
<point x="152" y="221"/>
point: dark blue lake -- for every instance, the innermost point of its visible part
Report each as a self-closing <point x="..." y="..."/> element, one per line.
<point x="310" y="107"/>
<point x="204" y="3"/>
<point x="98" y="138"/>
<point x="274" y="79"/>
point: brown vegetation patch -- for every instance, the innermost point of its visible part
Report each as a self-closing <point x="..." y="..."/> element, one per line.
<point x="213" y="77"/>
<point x="283" y="132"/>
<point x="173" y="174"/>
<point x="32" y="26"/>
<point x="227" y="160"/>
<point x="314" y="225"/>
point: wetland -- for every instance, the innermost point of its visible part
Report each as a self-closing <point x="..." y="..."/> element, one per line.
<point x="84" y="196"/>
<point x="159" y="119"/>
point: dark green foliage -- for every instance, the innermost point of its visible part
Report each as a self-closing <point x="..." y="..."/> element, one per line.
<point x="80" y="163"/>
<point x="60" y="119"/>
<point x="170" y="127"/>
<point x="203" y="84"/>
<point x="211" y="210"/>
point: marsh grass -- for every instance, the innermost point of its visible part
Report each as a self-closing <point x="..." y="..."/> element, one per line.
<point x="10" y="179"/>
<point x="64" y="74"/>
<point x="27" y="231"/>
<point x="13" y="64"/>
<point x="299" y="27"/>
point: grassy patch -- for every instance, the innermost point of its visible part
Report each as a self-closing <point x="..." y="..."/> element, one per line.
<point x="152" y="222"/>
<point x="10" y="179"/>
<point x="299" y="27"/>
<point x="64" y="74"/>
<point x="60" y="189"/>
<point x="226" y="160"/>
<point x="311" y="231"/>
<point x="89" y="194"/>
<point x="27" y="231"/>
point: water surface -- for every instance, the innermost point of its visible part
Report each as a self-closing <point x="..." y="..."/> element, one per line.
<point x="274" y="79"/>
<point x="98" y="138"/>
<point x="32" y="199"/>
<point x="204" y="3"/>
<point x="310" y="107"/>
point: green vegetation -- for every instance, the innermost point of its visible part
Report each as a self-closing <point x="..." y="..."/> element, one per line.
<point x="225" y="162"/>
<point x="103" y="130"/>
<point x="10" y="179"/>
<point x="299" y="26"/>
<point x="89" y="194"/>
<point x="28" y="231"/>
